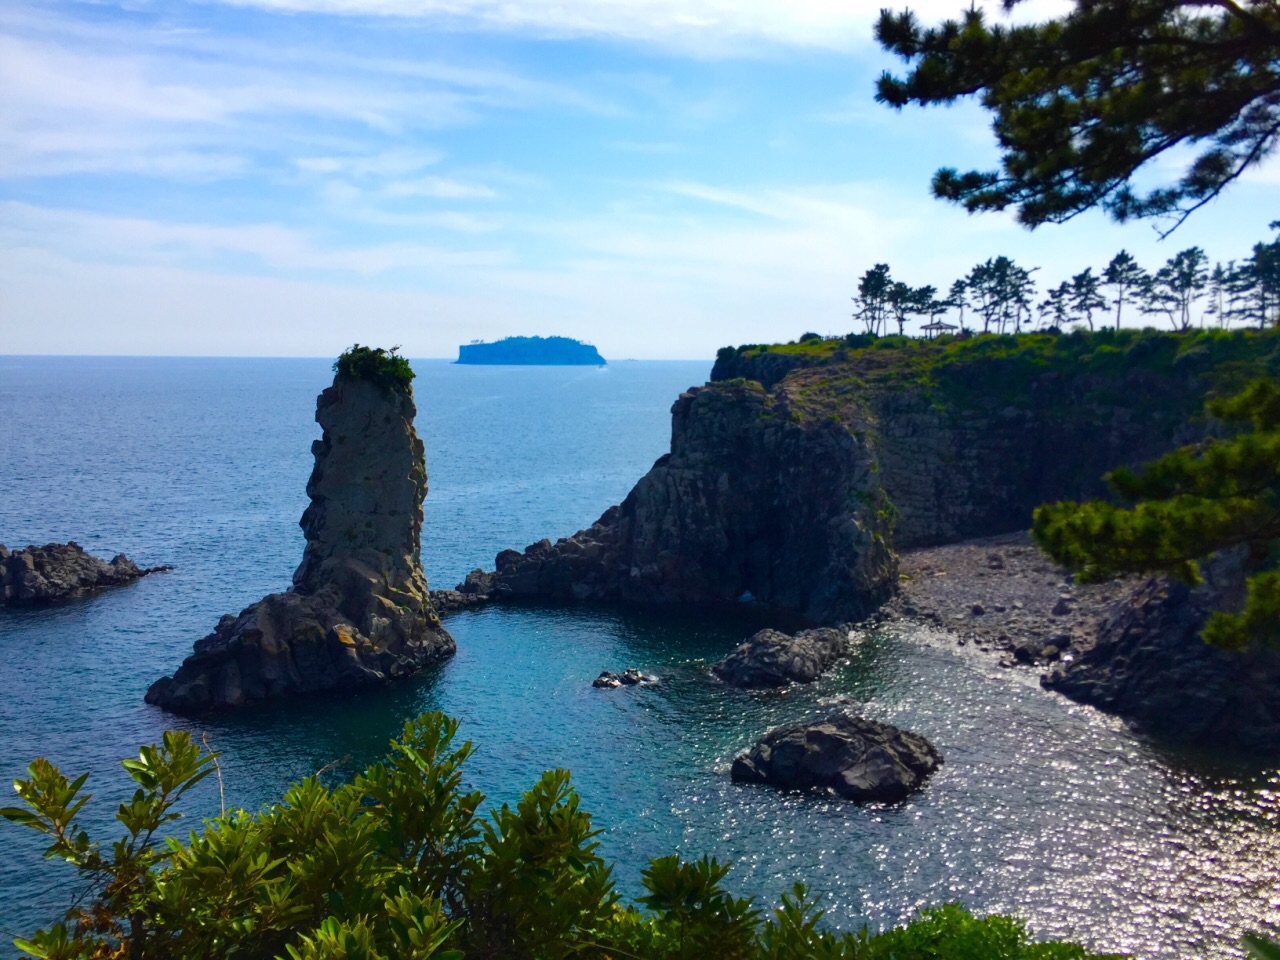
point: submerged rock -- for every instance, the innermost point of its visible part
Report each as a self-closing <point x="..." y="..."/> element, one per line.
<point x="1149" y="665"/>
<point x="359" y="613"/>
<point x="57" y="571"/>
<point x="856" y="758"/>
<point x="774" y="659"/>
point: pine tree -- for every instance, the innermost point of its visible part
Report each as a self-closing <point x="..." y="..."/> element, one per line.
<point x="1126" y="279"/>
<point x="1186" y="505"/>
<point x="1177" y="286"/>
<point x="1082" y="102"/>
<point x="1002" y="293"/>
<point x="1056" y="307"/>
<point x="872" y="301"/>
<point x="1085" y="296"/>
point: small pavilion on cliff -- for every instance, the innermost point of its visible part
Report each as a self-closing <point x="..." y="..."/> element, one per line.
<point x="938" y="327"/>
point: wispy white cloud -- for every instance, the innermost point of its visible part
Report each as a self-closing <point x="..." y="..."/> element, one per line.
<point x="385" y="163"/>
<point x="439" y="187"/>
<point x="97" y="238"/>
<point x="140" y="98"/>
<point x="703" y="26"/>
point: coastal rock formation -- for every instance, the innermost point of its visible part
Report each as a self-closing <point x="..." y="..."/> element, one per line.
<point x="359" y="612"/>
<point x="788" y="487"/>
<point x="774" y="659"/>
<point x="56" y="571"/>
<point x="856" y="758"/>
<point x="1149" y="665"/>
<point x="762" y="497"/>
<point x="970" y="437"/>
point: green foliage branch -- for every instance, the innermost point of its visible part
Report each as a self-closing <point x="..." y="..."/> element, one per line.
<point x="1081" y="102"/>
<point x="384" y="368"/>
<point x="398" y="863"/>
<point x="1212" y="496"/>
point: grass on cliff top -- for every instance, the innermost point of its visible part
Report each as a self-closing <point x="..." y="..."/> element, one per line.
<point x="992" y="367"/>
<point x="385" y="368"/>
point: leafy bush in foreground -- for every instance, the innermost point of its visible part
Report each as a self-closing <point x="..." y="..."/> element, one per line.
<point x="398" y="864"/>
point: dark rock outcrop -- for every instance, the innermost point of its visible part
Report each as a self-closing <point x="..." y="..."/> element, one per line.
<point x="57" y="571"/>
<point x="631" y="677"/>
<point x="449" y="601"/>
<point x="761" y="497"/>
<point x="359" y="613"/>
<point x="856" y="758"/>
<point x="767" y="369"/>
<point x="1149" y="665"/>
<point x="773" y="659"/>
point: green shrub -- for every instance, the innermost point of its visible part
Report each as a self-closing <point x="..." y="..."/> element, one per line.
<point x="385" y="368"/>
<point x="399" y="864"/>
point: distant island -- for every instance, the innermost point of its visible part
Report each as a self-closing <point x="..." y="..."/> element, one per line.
<point x="532" y="351"/>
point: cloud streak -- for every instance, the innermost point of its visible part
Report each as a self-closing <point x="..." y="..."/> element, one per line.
<point x="103" y="97"/>
<point x="714" y="27"/>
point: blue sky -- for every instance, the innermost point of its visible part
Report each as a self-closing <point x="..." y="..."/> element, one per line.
<point x="660" y="177"/>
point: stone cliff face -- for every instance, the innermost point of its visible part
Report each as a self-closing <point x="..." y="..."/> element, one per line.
<point x="757" y="499"/>
<point x="793" y="488"/>
<point x="359" y="613"/>
<point x="955" y="472"/>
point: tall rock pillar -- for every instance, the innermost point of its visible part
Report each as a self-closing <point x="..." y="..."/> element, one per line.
<point x="359" y="613"/>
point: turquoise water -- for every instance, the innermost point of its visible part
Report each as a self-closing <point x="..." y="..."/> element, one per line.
<point x="1043" y="807"/>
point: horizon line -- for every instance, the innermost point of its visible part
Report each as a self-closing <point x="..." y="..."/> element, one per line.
<point x="315" y="356"/>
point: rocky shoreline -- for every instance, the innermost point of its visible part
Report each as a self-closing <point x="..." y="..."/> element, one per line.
<point x="1003" y="595"/>
<point x="60" y="571"/>
<point x="1129" y="646"/>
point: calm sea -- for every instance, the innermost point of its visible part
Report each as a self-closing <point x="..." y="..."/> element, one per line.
<point x="1043" y="808"/>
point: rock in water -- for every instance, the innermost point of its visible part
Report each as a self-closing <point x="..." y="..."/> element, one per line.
<point x="773" y="659"/>
<point x="359" y="613"/>
<point x="57" y="571"/>
<point x="858" y="759"/>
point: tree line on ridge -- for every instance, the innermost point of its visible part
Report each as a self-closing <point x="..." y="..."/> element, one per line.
<point x="1002" y="295"/>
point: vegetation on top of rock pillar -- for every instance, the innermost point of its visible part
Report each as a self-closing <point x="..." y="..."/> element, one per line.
<point x="1187" y="505"/>
<point x="385" y="368"/>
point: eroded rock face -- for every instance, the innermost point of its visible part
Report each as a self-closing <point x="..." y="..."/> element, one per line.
<point x="57" y="571"/>
<point x="760" y="498"/>
<point x="359" y="613"/>
<point x="774" y="659"/>
<point x="1149" y="665"/>
<point x="856" y="758"/>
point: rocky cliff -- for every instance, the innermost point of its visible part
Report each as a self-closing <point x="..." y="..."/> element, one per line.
<point x="58" y="571"/>
<point x="762" y="497"/>
<point x="1148" y="663"/>
<point x="358" y="613"/>
<point x="791" y="490"/>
